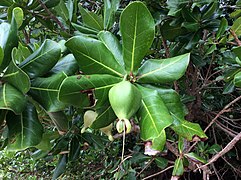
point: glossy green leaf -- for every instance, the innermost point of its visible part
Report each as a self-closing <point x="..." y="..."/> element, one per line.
<point x="11" y="99"/>
<point x="210" y="10"/>
<point x="190" y="131"/>
<point x="18" y="15"/>
<point x="21" y="53"/>
<point x="25" y="130"/>
<point x="194" y="157"/>
<point x="237" y="51"/>
<point x="161" y="162"/>
<point x="137" y="28"/>
<point x="91" y="19"/>
<point x="83" y="29"/>
<point x="154" y="118"/>
<point x="6" y="2"/>
<point x="178" y="167"/>
<point x="66" y="64"/>
<point x="8" y="40"/>
<point x="236" y="27"/>
<point x="237" y="79"/>
<point x="163" y="70"/>
<point x="45" y="144"/>
<point x="74" y="90"/>
<point x="222" y="28"/>
<point x="112" y="44"/>
<point x="105" y="116"/>
<point x="61" y="166"/>
<point x="171" y="99"/>
<point x="45" y="92"/>
<point x="93" y="57"/>
<point x="228" y="87"/>
<point x="17" y="77"/>
<point x="1" y="55"/>
<point x="110" y="7"/>
<point x="60" y="120"/>
<point x="62" y="10"/>
<point x="42" y="60"/>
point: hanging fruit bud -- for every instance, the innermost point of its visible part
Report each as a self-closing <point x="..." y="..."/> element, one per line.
<point x="89" y="117"/>
<point x="107" y="131"/>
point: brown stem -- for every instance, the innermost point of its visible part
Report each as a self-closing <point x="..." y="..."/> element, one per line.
<point x="52" y="16"/>
<point x="235" y="37"/>
<point x="167" y="50"/>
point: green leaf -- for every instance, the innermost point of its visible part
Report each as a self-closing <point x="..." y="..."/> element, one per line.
<point x="154" y="118"/>
<point x="171" y="99"/>
<point x="190" y="131"/>
<point x="237" y="51"/>
<point x="105" y="117"/>
<point x="228" y="87"/>
<point x="61" y="166"/>
<point x="18" y="15"/>
<point x="93" y="57"/>
<point x="21" y="53"/>
<point x="1" y="55"/>
<point x="62" y="10"/>
<point x="91" y="19"/>
<point x="164" y="70"/>
<point x="60" y="120"/>
<point x="8" y="40"/>
<point x="6" y="2"/>
<point x="222" y="28"/>
<point x="110" y="7"/>
<point x="113" y="45"/>
<point x="210" y="10"/>
<point x="45" y="92"/>
<point x="194" y="157"/>
<point x="237" y="79"/>
<point x="178" y="167"/>
<point x="17" y="77"/>
<point x="45" y="144"/>
<point x="236" y="27"/>
<point x="25" y="130"/>
<point x="74" y="90"/>
<point x="42" y="60"/>
<point x="161" y="162"/>
<point x="83" y="29"/>
<point x="137" y="28"/>
<point x="11" y="99"/>
<point x="66" y="64"/>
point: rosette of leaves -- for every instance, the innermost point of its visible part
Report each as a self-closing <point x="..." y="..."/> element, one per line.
<point x="30" y="78"/>
<point x="105" y="61"/>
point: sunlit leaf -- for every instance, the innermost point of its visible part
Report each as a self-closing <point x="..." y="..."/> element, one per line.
<point x="11" y="99"/>
<point x="74" y="90"/>
<point x="137" y="28"/>
<point x="45" y="92"/>
<point x="163" y="70"/>
<point x="178" y="167"/>
<point x="42" y="60"/>
<point x="93" y="56"/>
<point x="154" y="118"/>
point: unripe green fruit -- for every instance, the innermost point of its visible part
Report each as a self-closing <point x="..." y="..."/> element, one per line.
<point x="107" y="131"/>
<point x="89" y="117"/>
<point x="125" y="99"/>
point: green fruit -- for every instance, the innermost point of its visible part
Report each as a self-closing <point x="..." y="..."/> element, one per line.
<point x="107" y="131"/>
<point x="125" y="99"/>
<point x="89" y="118"/>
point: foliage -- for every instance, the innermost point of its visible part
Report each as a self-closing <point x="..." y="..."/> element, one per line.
<point x="60" y="59"/>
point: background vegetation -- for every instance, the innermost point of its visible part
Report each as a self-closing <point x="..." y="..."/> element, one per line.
<point x="41" y="130"/>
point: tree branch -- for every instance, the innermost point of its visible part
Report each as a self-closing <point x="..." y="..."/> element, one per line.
<point x="235" y="37"/>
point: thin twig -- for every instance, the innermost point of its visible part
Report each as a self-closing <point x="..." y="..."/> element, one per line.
<point x="235" y="37"/>
<point x="52" y="16"/>
<point x="228" y="147"/>
<point x="156" y="174"/>
<point x="148" y="164"/>
<point x="225" y="109"/>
